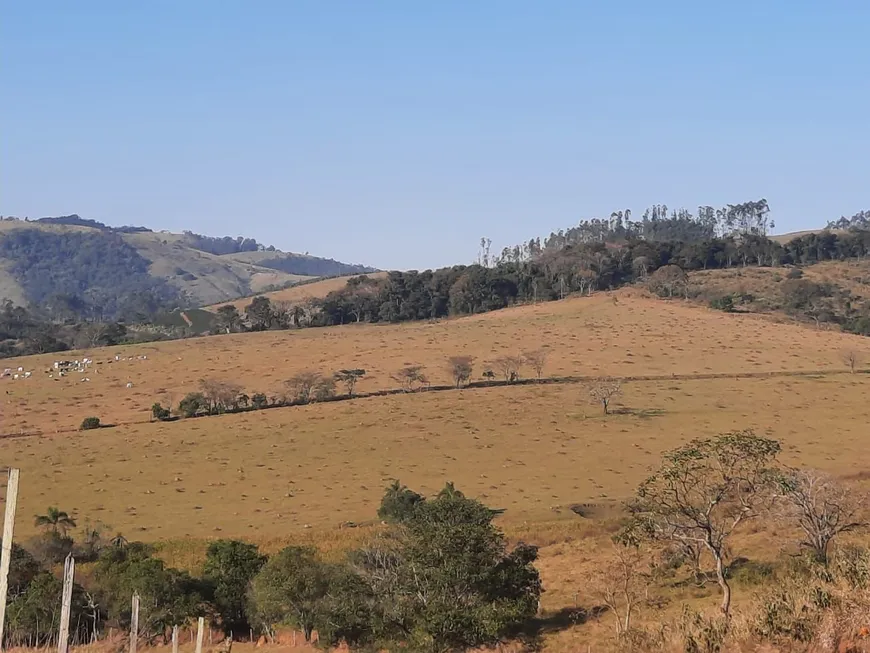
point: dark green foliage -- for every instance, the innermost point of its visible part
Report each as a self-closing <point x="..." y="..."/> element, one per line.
<point x="220" y="246"/>
<point x="166" y="596"/>
<point x="725" y="303"/>
<point x="312" y="266"/>
<point x="260" y="314"/>
<point x="259" y="401"/>
<point x="107" y="277"/>
<point x="33" y="617"/>
<point x="160" y="413"/>
<point x="75" y="220"/>
<point x="399" y="503"/>
<point x="89" y="423"/>
<point x="23" y="568"/>
<point x="228" y="319"/>
<point x="291" y="589"/>
<point x="229" y="568"/>
<point x="193" y="404"/>
<point x="468" y="589"/>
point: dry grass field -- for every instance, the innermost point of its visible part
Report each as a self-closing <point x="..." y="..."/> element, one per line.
<point x="298" y="473"/>
<point x="296" y="294"/>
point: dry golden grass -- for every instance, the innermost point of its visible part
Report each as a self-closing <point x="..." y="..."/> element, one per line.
<point x="296" y="294"/>
<point x="584" y="336"/>
<point x="295" y="474"/>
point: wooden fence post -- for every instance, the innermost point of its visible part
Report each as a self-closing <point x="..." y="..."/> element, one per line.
<point x="69" y="572"/>
<point x="175" y="639"/>
<point x="199" y="628"/>
<point x="134" y="624"/>
<point x="6" y="554"/>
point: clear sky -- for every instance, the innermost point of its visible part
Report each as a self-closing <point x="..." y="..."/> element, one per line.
<point x="398" y="133"/>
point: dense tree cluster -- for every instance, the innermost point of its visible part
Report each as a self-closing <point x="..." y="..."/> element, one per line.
<point x="441" y="578"/>
<point x="86" y="274"/>
<point x="224" y="245"/>
<point x="313" y="266"/>
<point x="554" y="272"/>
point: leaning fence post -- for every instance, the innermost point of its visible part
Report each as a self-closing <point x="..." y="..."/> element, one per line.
<point x="69" y="572"/>
<point x="134" y="624"/>
<point x="6" y="554"/>
<point x="199" y="628"/>
<point x="175" y="639"/>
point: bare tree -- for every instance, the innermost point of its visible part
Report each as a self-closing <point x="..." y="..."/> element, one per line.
<point x="620" y="583"/>
<point x="604" y="390"/>
<point x="410" y="375"/>
<point x="536" y="359"/>
<point x="220" y="395"/>
<point x="705" y="490"/>
<point x="851" y="358"/>
<point x="349" y="378"/>
<point x="324" y="389"/>
<point x="302" y="384"/>
<point x="822" y="507"/>
<point x="509" y="366"/>
<point x="460" y="368"/>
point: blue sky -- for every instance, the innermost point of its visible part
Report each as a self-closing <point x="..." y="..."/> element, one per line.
<point x="398" y="133"/>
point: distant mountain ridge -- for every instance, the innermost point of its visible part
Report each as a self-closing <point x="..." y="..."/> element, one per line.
<point x="76" y="268"/>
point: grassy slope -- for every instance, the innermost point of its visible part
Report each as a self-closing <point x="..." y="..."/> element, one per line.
<point x="533" y="450"/>
<point x="315" y="289"/>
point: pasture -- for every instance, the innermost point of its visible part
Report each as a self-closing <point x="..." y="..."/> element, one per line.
<point x="531" y="449"/>
<point x="306" y="473"/>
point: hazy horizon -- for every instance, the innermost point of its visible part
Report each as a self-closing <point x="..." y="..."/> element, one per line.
<point x="397" y="136"/>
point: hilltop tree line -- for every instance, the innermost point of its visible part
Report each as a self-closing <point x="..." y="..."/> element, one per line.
<point x="555" y="272"/>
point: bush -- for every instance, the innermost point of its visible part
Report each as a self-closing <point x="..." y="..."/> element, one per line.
<point x="229" y="568"/>
<point x="259" y="401"/>
<point x="725" y="303"/>
<point x="192" y="404"/>
<point x="795" y="273"/>
<point x="291" y="589"/>
<point x="89" y="423"/>
<point x="160" y="413"/>
<point x="398" y="503"/>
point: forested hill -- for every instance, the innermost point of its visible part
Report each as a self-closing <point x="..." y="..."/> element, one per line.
<point x="71" y="267"/>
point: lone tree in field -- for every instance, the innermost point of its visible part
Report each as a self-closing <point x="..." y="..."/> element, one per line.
<point x="410" y="375"/>
<point x="228" y="318"/>
<point x="460" y="368"/>
<point x="669" y="281"/>
<point x="349" y="378"/>
<point x="851" y="358"/>
<point x="302" y="385"/>
<point x="603" y="391"/>
<point x="822" y="507"/>
<point x="509" y="366"/>
<point x="536" y="359"/>
<point x="705" y="490"/>
<point x="57" y="521"/>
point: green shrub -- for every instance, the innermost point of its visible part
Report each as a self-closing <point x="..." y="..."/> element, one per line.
<point x="230" y="566"/>
<point x="192" y="404"/>
<point x="725" y="303"/>
<point x="398" y="503"/>
<point x="89" y="423"/>
<point x="795" y="273"/>
<point x="259" y="401"/>
<point x="159" y="413"/>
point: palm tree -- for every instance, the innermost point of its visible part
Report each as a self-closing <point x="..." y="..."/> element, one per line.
<point x="56" y="519"/>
